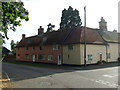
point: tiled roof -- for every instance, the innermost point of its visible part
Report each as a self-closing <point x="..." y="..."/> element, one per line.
<point x="66" y="36"/>
<point x="109" y="36"/>
<point x="92" y="36"/>
<point x="5" y="51"/>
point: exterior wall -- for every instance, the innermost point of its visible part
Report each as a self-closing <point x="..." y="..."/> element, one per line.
<point x="74" y="55"/>
<point x="93" y="50"/>
<point x="48" y="50"/>
<point x="112" y="48"/>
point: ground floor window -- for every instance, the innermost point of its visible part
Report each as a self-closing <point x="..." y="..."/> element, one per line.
<point x="18" y="56"/>
<point x="108" y="55"/>
<point x="41" y="57"/>
<point x="42" y="47"/>
<point x="90" y="57"/>
<point x="50" y="57"/>
<point x="27" y="56"/>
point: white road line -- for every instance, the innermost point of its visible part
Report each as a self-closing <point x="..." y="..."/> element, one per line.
<point x="110" y="76"/>
<point x="100" y="69"/>
<point x="7" y="76"/>
<point x="107" y="83"/>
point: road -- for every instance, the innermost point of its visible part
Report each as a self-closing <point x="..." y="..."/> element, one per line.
<point x="32" y="77"/>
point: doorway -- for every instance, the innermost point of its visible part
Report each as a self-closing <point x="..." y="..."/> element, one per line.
<point x="59" y="59"/>
<point x="33" y="58"/>
<point x="100" y="55"/>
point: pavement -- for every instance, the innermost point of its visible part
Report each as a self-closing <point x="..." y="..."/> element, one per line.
<point x="69" y="77"/>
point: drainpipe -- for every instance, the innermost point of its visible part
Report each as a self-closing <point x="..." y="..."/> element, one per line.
<point x="106" y="53"/>
<point x="85" y="35"/>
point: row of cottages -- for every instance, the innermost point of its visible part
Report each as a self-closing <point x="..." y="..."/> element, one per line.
<point x="66" y="46"/>
<point x="112" y="40"/>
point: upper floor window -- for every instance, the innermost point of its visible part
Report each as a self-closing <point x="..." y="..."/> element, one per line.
<point x="27" y="48"/>
<point x="18" y="48"/>
<point x="56" y="47"/>
<point x="42" y="47"/>
<point x="33" y="48"/>
<point x="70" y="47"/>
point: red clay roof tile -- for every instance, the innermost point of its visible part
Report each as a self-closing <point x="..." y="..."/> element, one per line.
<point x="66" y="36"/>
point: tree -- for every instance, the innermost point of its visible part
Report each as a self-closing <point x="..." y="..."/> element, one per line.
<point x="70" y="18"/>
<point x="13" y="45"/>
<point x="11" y="14"/>
<point x="50" y="27"/>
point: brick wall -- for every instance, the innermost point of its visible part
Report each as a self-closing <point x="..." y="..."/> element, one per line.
<point x="48" y="50"/>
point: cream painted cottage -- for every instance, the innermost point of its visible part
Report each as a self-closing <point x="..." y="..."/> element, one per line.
<point x="66" y="46"/>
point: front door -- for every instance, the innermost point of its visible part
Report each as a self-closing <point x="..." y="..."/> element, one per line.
<point x="59" y="59"/>
<point x="33" y="57"/>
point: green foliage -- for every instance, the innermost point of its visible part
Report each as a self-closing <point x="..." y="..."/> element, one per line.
<point x="70" y="18"/>
<point x="13" y="45"/>
<point x="11" y="15"/>
<point x="50" y="27"/>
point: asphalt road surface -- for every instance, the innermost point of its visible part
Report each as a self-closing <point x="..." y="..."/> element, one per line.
<point x="31" y="77"/>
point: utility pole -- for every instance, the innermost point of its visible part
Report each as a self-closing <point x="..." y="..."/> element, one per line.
<point x="85" y="35"/>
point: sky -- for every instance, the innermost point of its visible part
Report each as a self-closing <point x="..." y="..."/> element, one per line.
<point x="43" y="12"/>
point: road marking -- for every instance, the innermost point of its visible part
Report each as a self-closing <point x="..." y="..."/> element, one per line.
<point x="110" y="76"/>
<point x="100" y="69"/>
<point x="107" y="83"/>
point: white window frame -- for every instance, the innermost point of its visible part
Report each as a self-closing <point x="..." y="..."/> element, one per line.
<point x="56" y="47"/>
<point x="50" y="57"/>
<point x="42" y="56"/>
<point x="108" y="56"/>
<point x="90" y="57"/>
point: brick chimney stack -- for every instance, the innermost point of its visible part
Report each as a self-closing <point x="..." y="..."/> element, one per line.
<point x="23" y="36"/>
<point x="103" y="24"/>
<point x="40" y="30"/>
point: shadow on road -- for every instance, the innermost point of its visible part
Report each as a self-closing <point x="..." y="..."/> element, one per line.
<point x="22" y="72"/>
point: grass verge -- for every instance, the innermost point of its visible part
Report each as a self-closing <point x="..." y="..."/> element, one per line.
<point x="35" y="64"/>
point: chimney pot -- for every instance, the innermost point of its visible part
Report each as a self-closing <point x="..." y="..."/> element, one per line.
<point x="23" y="36"/>
<point x="40" y="30"/>
<point x="114" y="30"/>
<point x="103" y="24"/>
